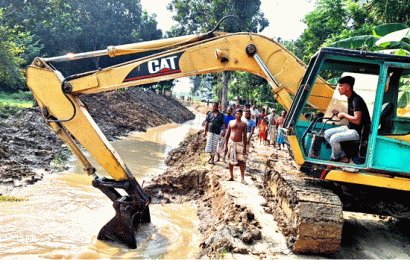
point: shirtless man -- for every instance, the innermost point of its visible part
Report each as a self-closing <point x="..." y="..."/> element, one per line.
<point x="235" y="144"/>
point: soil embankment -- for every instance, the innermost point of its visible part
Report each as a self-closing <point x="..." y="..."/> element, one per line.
<point x="28" y="149"/>
<point x="239" y="220"/>
<point x="233" y="217"/>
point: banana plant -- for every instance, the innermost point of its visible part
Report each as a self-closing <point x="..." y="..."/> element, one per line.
<point x="393" y="38"/>
<point x="404" y="92"/>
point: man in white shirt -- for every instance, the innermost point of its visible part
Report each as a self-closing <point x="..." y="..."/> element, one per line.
<point x="254" y="113"/>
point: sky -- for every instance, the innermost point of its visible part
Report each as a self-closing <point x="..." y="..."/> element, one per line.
<point x="284" y="18"/>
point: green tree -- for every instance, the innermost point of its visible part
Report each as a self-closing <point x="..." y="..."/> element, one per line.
<point x="148" y="29"/>
<point x="15" y="47"/>
<point x="390" y="11"/>
<point x="64" y="26"/>
<point x="393" y="37"/>
<point x="331" y="21"/>
<point x="251" y="88"/>
<point x="56" y="27"/>
<point x="195" y="16"/>
<point x="203" y="84"/>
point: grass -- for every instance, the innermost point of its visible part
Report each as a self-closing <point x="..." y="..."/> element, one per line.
<point x="223" y="253"/>
<point x="10" y="199"/>
<point x="20" y="99"/>
<point x="11" y="103"/>
<point x="58" y="163"/>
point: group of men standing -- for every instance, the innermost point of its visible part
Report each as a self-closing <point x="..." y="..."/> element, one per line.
<point x="231" y="134"/>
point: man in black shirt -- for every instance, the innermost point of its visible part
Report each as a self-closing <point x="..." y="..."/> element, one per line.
<point x="215" y="121"/>
<point x="357" y="115"/>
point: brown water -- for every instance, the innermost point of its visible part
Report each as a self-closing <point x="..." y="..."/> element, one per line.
<point x="62" y="215"/>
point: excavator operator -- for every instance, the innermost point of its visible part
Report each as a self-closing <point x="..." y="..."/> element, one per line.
<point x="358" y="117"/>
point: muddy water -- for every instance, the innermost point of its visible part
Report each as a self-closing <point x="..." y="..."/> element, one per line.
<point x="61" y="216"/>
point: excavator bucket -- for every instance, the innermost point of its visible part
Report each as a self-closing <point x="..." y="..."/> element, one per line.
<point x="130" y="211"/>
<point x="121" y="228"/>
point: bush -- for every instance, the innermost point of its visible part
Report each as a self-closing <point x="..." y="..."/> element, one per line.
<point x="17" y="96"/>
<point x="11" y="103"/>
<point x="7" y="110"/>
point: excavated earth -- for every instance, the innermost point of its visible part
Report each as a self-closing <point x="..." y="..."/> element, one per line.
<point x="28" y="150"/>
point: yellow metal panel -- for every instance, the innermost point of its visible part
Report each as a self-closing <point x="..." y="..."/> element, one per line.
<point x="376" y="180"/>
<point x="104" y="80"/>
<point x="287" y="69"/>
<point x="46" y="86"/>
<point x="297" y="153"/>
<point x="200" y="58"/>
<point x="84" y="83"/>
<point x="405" y="138"/>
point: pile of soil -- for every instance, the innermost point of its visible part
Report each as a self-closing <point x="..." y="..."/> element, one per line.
<point x="28" y="149"/>
<point x="226" y="225"/>
<point x="120" y="112"/>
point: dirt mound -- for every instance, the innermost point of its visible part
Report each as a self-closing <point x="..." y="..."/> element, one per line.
<point x="26" y="144"/>
<point x="227" y="226"/>
<point x="120" y="112"/>
<point x="187" y="152"/>
<point x="186" y="179"/>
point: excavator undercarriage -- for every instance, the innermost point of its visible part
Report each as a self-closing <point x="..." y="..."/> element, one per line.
<point x="311" y="214"/>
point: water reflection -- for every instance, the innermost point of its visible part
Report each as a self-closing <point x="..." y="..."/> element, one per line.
<point x="62" y="215"/>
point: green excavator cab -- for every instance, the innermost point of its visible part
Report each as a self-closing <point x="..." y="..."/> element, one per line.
<point x="383" y="81"/>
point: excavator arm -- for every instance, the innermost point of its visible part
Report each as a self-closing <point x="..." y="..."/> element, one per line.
<point x="65" y="114"/>
<point x="198" y="54"/>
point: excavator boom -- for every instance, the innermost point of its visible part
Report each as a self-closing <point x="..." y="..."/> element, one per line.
<point x="58" y="98"/>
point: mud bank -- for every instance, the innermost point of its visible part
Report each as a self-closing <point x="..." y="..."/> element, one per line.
<point x="230" y="212"/>
<point x="28" y="150"/>
<point x="239" y="220"/>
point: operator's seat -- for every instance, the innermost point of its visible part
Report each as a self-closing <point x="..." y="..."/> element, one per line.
<point x="356" y="150"/>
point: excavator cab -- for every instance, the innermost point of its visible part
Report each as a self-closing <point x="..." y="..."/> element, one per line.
<point x="382" y="80"/>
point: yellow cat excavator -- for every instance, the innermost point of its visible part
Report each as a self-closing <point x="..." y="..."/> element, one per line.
<point x="314" y="210"/>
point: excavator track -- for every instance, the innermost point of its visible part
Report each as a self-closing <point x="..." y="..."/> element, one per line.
<point x="311" y="215"/>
